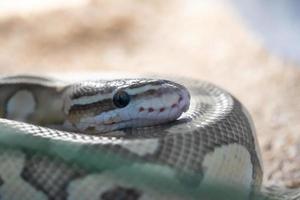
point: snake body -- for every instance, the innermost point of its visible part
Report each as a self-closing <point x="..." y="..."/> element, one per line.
<point x="124" y="139"/>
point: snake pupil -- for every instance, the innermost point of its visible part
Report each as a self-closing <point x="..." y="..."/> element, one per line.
<point x="121" y="99"/>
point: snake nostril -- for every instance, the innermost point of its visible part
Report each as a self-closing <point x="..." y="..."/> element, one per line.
<point x="141" y="109"/>
<point x="161" y="109"/>
<point x="150" y="109"/>
<point x="180" y="98"/>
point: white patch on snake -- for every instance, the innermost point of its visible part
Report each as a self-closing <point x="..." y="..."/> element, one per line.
<point x="138" y="90"/>
<point x="98" y="184"/>
<point x="20" y="105"/>
<point x="229" y="166"/>
<point x="141" y="147"/>
<point x="14" y="187"/>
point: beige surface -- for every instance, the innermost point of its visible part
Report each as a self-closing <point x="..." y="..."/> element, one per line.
<point x="188" y="38"/>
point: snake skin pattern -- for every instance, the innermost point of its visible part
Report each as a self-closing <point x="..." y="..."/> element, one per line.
<point x="213" y="144"/>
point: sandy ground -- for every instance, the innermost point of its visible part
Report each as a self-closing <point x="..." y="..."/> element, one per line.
<point x="188" y="38"/>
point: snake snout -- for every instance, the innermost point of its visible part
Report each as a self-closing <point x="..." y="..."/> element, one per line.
<point x="185" y="98"/>
<point x="167" y="104"/>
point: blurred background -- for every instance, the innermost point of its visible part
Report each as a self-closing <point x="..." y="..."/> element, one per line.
<point x="250" y="48"/>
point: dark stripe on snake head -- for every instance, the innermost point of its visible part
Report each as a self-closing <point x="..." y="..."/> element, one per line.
<point x="121" y="193"/>
<point x="98" y="106"/>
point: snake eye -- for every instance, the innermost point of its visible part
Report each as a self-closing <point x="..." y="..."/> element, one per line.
<point x="121" y="99"/>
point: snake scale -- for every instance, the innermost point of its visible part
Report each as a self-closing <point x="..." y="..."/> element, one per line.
<point x="126" y="139"/>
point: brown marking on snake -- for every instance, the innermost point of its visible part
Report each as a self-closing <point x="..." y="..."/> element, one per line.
<point x="121" y="193"/>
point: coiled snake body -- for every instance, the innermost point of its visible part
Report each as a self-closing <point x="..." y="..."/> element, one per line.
<point x="124" y="139"/>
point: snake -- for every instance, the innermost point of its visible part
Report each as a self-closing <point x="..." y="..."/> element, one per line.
<point x="130" y="138"/>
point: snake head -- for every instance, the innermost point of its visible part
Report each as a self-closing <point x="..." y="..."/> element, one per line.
<point x="103" y="106"/>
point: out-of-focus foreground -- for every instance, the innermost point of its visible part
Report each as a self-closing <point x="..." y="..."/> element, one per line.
<point x="192" y="38"/>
